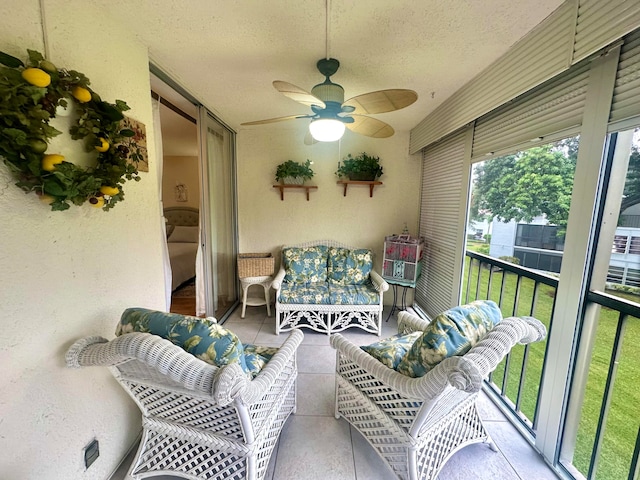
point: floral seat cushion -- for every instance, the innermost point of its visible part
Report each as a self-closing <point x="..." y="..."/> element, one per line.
<point x="364" y="294"/>
<point x="257" y="357"/>
<point x="390" y="351"/>
<point x="349" y="267"/>
<point x="311" y="294"/>
<point x="202" y="337"/>
<point x="451" y="333"/>
<point x="305" y="264"/>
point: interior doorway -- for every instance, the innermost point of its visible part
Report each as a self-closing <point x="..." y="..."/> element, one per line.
<point x="198" y="196"/>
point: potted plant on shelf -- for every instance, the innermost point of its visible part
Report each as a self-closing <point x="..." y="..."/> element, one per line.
<point x="363" y="167"/>
<point x="294" y="173"/>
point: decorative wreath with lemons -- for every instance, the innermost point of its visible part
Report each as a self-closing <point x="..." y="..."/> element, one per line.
<point x="30" y="94"/>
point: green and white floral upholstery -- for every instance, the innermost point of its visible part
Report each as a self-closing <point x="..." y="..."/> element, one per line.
<point x="328" y="286"/>
<point x="349" y="267"/>
<point x="257" y="357"/>
<point x="305" y="264"/>
<point x="391" y="350"/>
<point x="199" y="420"/>
<point x="201" y="337"/>
<point x="312" y="293"/>
<point x="451" y="333"/>
<point x="416" y="424"/>
<point x="356" y="294"/>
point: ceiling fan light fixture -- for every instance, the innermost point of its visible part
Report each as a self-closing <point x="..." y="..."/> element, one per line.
<point x="326" y="129"/>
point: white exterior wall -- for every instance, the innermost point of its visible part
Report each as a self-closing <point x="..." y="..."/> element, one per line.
<point x="627" y="259"/>
<point x="71" y="274"/>
<point x="503" y="236"/>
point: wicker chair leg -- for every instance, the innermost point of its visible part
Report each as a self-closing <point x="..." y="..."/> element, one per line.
<point x="492" y="445"/>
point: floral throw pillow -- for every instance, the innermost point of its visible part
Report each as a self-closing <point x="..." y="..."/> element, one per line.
<point x="202" y="337"/>
<point x="257" y="357"/>
<point x="349" y="267"/>
<point x="391" y="350"/>
<point x="451" y="333"/>
<point x="305" y="264"/>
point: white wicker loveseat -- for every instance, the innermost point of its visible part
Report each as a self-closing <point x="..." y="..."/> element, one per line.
<point x="416" y="424"/>
<point x="328" y="293"/>
<point x="199" y="421"/>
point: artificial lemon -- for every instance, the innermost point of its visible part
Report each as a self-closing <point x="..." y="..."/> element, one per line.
<point x="50" y="161"/>
<point x="36" y="77"/>
<point x="38" y="145"/>
<point x="97" y="202"/>
<point x="104" y="145"/>
<point x="81" y="94"/>
<point x="48" y="199"/>
<point x="107" y="190"/>
<point x="47" y="66"/>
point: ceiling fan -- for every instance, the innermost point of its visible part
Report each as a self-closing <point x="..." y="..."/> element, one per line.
<point x="331" y="113"/>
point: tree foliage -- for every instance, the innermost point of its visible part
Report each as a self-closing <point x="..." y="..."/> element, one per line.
<point x="631" y="194"/>
<point x="528" y="184"/>
<point x="537" y="182"/>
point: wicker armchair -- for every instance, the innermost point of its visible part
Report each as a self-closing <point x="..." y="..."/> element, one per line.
<point x="417" y="424"/>
<point x="199" y="421"/>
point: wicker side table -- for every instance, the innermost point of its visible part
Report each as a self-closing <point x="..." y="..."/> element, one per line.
<point x="246" y="282"/>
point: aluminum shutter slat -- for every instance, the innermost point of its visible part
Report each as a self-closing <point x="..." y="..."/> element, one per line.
<point x="626" y="93"/>
<point x="601" y="22"/>
<point x="541" y="54"/>
<point x="442" y="191"/>
<point x="555" y="106"/>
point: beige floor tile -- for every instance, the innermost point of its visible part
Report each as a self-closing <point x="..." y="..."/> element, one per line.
<point x="316" y="394"/>
<point x="315" y="448"/>
<point x="478" y="462"/>
<point x="316" y="359"/>
<point x="519" y="453"/>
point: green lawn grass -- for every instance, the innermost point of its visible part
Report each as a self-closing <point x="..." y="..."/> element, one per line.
<point x="624" y="415"/>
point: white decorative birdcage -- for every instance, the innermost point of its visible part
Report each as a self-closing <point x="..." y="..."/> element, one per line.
<point x="402" y="255"/>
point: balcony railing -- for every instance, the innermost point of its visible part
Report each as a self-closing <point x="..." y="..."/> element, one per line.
<point x="523" y="292"/>
<point x="608" y="434"/>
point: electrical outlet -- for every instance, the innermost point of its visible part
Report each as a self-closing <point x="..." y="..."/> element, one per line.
<point x="91" y="453"/>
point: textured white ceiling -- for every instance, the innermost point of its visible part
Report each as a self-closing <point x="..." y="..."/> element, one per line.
<point x="227" y="53"/>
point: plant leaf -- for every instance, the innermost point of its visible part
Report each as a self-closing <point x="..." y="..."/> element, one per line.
<point x="35" y="57"/>
<point x="10" y="61"/>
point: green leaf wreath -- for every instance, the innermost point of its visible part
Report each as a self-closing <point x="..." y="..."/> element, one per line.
<point x="29" y="96"/>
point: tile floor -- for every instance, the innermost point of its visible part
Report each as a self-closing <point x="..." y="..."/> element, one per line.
<point x="336" y="451"/>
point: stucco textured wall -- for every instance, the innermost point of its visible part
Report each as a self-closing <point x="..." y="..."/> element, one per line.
<point x="71" y="274"/>
<point x="266" y="222"/>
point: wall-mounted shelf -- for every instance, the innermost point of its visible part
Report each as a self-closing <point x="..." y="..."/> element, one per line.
<point x="346" y="183"/>
<point x="282" y="188"/>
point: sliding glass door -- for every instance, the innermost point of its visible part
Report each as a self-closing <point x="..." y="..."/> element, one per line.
<point x="218" y="219"/>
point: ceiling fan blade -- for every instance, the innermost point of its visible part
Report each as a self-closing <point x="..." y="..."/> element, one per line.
<point x="298" y="94"/>
<point x="382" y="101"/>
<point x="277" y="119"/>
<point x="370" y="127"/>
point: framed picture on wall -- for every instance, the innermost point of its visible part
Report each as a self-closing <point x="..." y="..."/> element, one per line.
<point x="137" y="144"/>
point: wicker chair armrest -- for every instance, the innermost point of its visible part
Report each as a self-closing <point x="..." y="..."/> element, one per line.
<point x="259" y="386"/>
<point x="408" y="322"/>
<point x="277" y="280"/>
<point x="453" y="371"/>
<point x="379" y="283"/>
<point x="489" y="352"/>
<point x="167" y="358"/>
